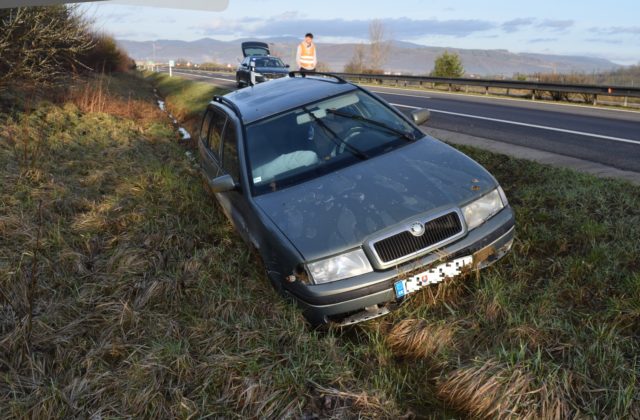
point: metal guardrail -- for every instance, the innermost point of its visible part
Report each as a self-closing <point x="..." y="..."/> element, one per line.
<point x="624" y="92"/>
<point x="595" y="90"/>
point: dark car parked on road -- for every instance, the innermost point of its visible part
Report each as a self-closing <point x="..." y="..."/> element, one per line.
<point x="258" y="60"/>
<point x="349" y="204"/>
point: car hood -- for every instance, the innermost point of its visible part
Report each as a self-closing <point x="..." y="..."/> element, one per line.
<point x="337" y="211"/>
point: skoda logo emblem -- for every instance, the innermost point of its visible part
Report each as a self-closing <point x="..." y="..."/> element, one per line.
<point x="417" y="229"/>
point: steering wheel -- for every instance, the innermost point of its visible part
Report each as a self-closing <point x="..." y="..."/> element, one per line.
<point x="352" y="133"/>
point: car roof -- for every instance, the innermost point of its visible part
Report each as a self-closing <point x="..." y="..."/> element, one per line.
<point x="275" y="96"/>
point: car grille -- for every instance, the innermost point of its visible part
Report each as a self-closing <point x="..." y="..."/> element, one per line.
<point x="403" y="244"/>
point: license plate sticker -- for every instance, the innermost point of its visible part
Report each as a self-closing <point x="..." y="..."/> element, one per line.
<point x="434" y="275"/>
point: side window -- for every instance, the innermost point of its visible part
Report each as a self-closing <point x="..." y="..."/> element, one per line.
<point x="230" y="155"/>
<point x="215" y="132"/>
<point x="204" y="128"/>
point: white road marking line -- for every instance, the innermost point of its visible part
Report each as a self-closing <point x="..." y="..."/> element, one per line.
<point x="205" y="77"/>
<point x="498" y="98"/>
<point x="542" y="127"/>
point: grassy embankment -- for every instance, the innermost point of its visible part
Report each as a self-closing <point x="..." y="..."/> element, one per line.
<point x="144" y="302"/>
<point x="123" y="290"/>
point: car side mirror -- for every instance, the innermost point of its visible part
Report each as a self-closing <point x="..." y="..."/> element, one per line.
<point x="287" y="66"/>
<point x="420" y="116"/>
<point x="222" y="184"/>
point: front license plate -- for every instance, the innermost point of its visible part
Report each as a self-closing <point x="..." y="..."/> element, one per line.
<point x="434" y="275"/>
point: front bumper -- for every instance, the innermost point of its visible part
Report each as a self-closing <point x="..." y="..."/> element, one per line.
<point x="265" y="77"/>
<point x="320" y="303"/>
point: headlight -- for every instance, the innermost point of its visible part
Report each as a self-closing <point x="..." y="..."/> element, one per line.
<point x="340" y="267"/>
<point x="481" y="210"/>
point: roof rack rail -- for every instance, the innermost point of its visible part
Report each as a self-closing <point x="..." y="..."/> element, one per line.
<point x="303" y="73"/>
<point x="230" y="104"/>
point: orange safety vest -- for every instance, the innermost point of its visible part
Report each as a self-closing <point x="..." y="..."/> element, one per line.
<point x="307" y="55"/>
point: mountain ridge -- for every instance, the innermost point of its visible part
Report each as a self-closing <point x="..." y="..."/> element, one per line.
<point x="404" y="57"/>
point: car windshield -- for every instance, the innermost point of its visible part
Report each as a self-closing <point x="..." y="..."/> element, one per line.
<point x="267" y="62"/>
<point x="322" y="137"/>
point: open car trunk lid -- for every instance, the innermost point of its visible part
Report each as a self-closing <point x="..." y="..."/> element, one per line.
<point x="254" y="48"/>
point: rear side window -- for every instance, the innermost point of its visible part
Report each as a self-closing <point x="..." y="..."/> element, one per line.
<point x="230" y="154"/>
<point x="218" y="120"/>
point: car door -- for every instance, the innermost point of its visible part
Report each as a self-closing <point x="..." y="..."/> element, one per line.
<point x="210" y="144"/>
<point x="244" y="71"/>
<point x="235" y="203"/>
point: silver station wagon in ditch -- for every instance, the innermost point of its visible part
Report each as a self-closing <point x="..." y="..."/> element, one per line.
<point x="350" y="206"/>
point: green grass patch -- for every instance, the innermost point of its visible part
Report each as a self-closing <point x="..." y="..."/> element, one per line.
<point x="124" y="292"/>
<point x="186" y="99"/>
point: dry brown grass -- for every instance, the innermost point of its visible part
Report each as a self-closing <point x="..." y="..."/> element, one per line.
<point x="419" y="339"/>
<point x="333" y="403"/>
<point x="94" y="94"/>
<point x="125" y="293"/>
<point x="494" y="390"/>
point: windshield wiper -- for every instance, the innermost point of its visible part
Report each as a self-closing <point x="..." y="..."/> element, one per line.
<point x="338" y="141"/>
<point x="405" y="135"/>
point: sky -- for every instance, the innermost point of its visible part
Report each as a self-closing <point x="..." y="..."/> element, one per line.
<point x="569" y="27"/>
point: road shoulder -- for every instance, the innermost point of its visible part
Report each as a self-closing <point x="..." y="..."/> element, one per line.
<point x="553" y="159"/>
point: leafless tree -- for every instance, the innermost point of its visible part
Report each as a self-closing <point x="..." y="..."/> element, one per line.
<point x="379" y="46"/>
<point x="357" y="62"/>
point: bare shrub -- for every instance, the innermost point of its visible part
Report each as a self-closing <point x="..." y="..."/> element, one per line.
<point x="357" y="62"/>
<point x="378" y="52"/>
<point x="44" y="46"/>
<point x="41" y="44"/>
<point x="105" y="56"/>
<point x="571" y="79"/>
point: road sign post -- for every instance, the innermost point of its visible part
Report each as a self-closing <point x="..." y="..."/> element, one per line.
<point x="171" y="64"/>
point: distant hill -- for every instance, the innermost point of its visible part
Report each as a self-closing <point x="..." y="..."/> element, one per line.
<point x="405" y="57"/>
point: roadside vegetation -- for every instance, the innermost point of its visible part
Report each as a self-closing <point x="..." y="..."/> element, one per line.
<point x="448" y="65"/>
<point x="124" y="291"/>
<point x="371" y="58"/>
<point x="44" y="47"/>
<point x="185" y="99"/>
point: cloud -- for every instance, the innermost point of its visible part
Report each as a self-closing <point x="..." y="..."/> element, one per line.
<point x="515" y="24"/>
<point x="618" y="30"/>
<point x="606" y="41"/>
<point x="542" y="40"/>
<point x="555" y="25"/>
<point x="290" y="24"/>
<point x="209" y="5"/>
<point x="294" y="24"/>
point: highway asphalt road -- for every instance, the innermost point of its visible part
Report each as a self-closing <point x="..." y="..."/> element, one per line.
<point x="606" y="136"/>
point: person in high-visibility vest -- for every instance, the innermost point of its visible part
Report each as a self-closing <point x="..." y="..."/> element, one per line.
<point x="306" y="54"/>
